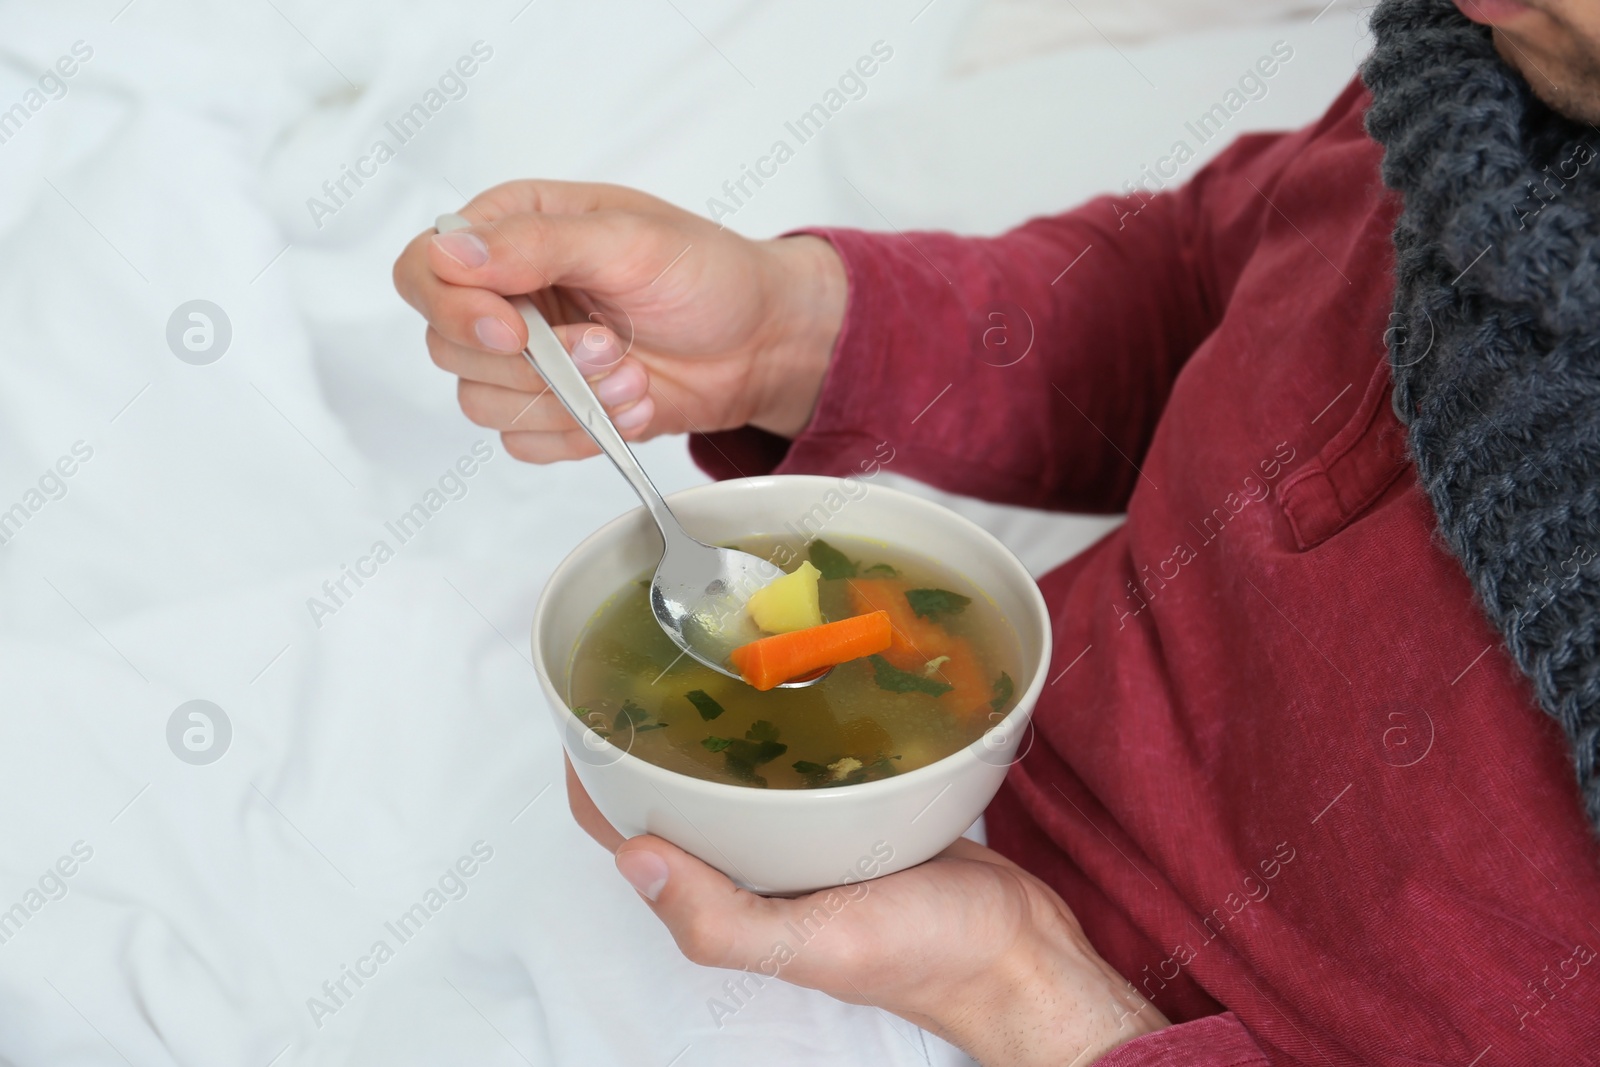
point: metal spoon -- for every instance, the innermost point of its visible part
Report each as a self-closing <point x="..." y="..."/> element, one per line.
<point x="699" y="591"/>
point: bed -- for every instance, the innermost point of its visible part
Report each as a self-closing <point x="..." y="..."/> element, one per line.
<point x="260" y="751"/>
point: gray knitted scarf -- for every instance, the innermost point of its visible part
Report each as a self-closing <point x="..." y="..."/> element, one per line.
<point x="1496" y="341"/>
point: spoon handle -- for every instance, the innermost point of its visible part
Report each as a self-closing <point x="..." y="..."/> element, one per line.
<point x="553" y="363"/>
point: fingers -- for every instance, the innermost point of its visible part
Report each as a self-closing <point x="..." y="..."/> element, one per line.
<point x="472" y="317"/>
<point x="595" y="349"/>
<point x="549" y="447"/>
<point x="553" y="197"/>
<point x="506" y="393"/>
<point x="587" y="815"/>
<point x="498" y="408"/>
<point x="527" y="236"/>
<point x="544" y="448"/>
<point x="526" y="253"/>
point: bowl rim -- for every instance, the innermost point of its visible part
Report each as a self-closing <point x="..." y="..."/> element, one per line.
<point x="1016" y="719"/>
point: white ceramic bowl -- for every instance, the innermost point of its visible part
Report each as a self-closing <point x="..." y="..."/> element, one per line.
<point x="792" y="840"/>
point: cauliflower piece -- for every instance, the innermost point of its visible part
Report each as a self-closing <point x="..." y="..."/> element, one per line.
<point x="842" y="768"/>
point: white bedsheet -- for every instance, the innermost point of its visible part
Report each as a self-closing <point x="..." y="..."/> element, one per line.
<point x="379" y="742"/>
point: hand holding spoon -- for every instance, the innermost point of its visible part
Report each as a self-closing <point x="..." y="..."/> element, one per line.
<point x="699" y="591"/>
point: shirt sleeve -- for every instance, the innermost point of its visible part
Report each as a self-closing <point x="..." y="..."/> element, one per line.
<point x="1029" y="368"/>
<point x="1214" y="1041"/>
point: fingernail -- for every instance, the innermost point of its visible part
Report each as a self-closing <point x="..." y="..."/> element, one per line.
<point x="466" y="249"/>
<point x="595" y="352"/>
<point x="635" y="417"/>
<point x="620" y="386"/>
<point x="494" y="334"/>
<point x="645" y="871"/>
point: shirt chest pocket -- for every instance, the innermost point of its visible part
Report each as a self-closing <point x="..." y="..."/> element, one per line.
<point x="1354" y="469"/>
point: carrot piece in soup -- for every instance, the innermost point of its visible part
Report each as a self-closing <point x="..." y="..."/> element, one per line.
<point x="916" y="640"/>
<point x="924" y="646"/>
<point x="773" y="660"/>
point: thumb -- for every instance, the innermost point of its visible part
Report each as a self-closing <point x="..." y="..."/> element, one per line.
<point x="714" y="922"/>
<point x="526" y="253"/>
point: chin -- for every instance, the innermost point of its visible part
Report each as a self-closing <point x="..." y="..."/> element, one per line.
<point x="1569" y="83"/>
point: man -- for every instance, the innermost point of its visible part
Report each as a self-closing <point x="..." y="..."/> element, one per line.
<point x="1303" y="789"/>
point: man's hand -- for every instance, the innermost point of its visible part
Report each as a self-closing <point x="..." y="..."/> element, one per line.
<point x="679" y="325"/>
<point x="967" y="945"/>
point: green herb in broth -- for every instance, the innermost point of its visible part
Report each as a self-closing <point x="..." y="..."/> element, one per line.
<point x="632" y="717"/>
<point x="704" y="703"/>
<point x="830" y="561"/>
<point x="934" y="603"/>
<point x="887" y="676"/>
<point x="1003" y="688"/>
<point x="847" y="729"/>
<point x="759" y="745"/>
<point x="846" y="770"/>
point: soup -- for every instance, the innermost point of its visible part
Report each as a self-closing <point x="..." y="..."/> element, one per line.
<point x="947" y="676"/>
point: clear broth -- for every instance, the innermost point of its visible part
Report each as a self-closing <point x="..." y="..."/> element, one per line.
<point x="631" y="684"/>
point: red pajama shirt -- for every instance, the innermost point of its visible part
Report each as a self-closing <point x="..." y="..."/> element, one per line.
<point x="1285" y="772"/>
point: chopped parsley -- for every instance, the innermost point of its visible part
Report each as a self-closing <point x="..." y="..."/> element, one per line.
<point x="932" y="603"/>
<point x="895" y="680"/>
<point x="1003" y="689"/>
<point x="830" y="561"/>
<point x="759" y="745"/>
<point x="704" y="703"/>
<point x="632" y="717"/>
